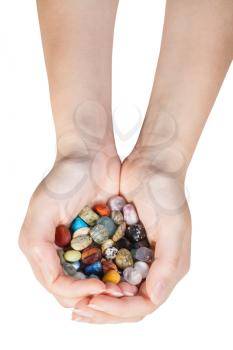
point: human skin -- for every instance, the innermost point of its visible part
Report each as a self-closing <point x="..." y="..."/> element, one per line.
<point x="196" y="52"/>
<point x="77" y="39"/>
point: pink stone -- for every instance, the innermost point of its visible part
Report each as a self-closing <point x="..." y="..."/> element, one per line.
<point x="130" y="214"/>
<point x="116" y="203"/>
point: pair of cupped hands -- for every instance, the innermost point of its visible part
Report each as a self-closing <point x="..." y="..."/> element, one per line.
<point x="89" y="176"/>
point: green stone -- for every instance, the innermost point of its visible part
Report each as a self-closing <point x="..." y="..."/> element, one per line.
<point x="88" y="215"/>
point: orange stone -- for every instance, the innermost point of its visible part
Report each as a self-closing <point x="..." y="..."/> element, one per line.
<point x="101" y="209"/>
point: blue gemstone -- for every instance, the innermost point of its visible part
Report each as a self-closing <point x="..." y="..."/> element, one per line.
<point x="108" y="223"/>
<point x="77" y="223"/>
<point x="95" y="268"/>
<point x="76" y="265"/>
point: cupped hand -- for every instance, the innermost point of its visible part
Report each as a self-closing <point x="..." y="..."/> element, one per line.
<point x="158" y="194"/>
<point x="74" y="181"/>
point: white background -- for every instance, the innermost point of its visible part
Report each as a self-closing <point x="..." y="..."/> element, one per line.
<point x="199" y="314"/>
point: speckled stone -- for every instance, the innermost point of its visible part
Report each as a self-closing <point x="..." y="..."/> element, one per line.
<point x="69" y="269"/>
<point x="95" y="268"/>
<point x="106" y="244"/>
<point x="116" y="203"/>
<point x="80" y="275"/>
<point x="110" y="253"/>
<point x="99" y="233"/>
<point x="72" y="255"/>
<point x="143" y="243"/>
<point x="108" y="224"/>
<point x="62" y="236"/>
<point x="120" y="232"/>
<point x="123" y="243"/>
<point x="111" y="276"/>
<point x="77" y="223"/>
<point x="130" y="214"/>
<point x="108" y="265"/>
<point x="91" y="255"/>
<point x="102" y="209"/>
<point x="142" y="267"/>
<point x="124" y="258"/>
<point x="132" y="276"/>
<point x="89" y="216"/>
<point x="117" y="217"/>
<point x="135" y="233"/>
<point x="81" y="242"/>
<point x="81" y="231"/>
<point x="144" y="254"/>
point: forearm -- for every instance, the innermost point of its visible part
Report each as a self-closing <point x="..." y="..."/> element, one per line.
<point x="77" y="40"/>
<point x="196" y="52"/>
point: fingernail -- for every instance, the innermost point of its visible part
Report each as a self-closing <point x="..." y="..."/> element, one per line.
<point x="159" y="293"/>
<point x="95" y="307"/>
<point x="82" y="313"/>
<point x="128" y="294"/>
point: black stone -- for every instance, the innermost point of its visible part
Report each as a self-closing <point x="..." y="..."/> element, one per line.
<point x="135" y="233"/>
<point x="123" y="243"/>
<point x="143" y="243"/>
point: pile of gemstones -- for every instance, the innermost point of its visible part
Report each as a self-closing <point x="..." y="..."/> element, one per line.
<point x="107" y="242"/>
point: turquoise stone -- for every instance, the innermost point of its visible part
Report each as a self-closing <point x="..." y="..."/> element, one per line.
<point x="77" y="223"/>
<point x="95" y="268"/>
<point x="108" y="223"/>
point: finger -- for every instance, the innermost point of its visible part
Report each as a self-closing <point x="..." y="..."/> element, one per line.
<point x="83" y="313"/>
<point x="127" y="289"/>
<point x="164" y="272"/>
<point x="125" y="307"/>
<point x="113" y="289"/>
<point x="67" y="302"/>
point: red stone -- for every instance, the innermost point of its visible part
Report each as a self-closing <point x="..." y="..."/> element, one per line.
<point x="102" y="209"/>
<point x="91" y="255"/>
<point x="62" y="236"/>
<point x="108" y="265"/>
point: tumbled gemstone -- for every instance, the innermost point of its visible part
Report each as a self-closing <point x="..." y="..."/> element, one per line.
<point x="62" y="236"/>
<point x="120" y="232"/>
<point x="81" y="242"/>
<point x="106" y="244"/>
<point x="89" y="216"/>
<point x="77" y="223"/>
<point x="111" y="276"/>
<point x="72" y="255"/>
<point x="108" y="223"/>
<point x="99" y="233"/>
<point x="142" y="267"/>
<point x="91" y="255"/>
<point x="108" y="265"/>
<point x="124" y="258"/>
<point x="102" y="209"/>
<point x="110" y="253"/>
<point x="135" y="233"/>
<point x="81" y="231"/>
<point x="144" y="254"/>
<point x="123" y="243"/>
<point x="117" y="217"/>
<point x="116" y="203"/>
<point x="95" y="268"/>
<point x="132" y="276"/>
<point x="130" y="214"/>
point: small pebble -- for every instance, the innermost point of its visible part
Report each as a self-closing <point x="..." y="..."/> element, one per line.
<point x="99" y="233"/>
<point x="81" y="231"/>
<point x="111" y="276"/>
<point x="110" y="253"/>
<point x="95" y="268"/>
<point x="108" y="265"/>
<point x="69" y="269"/>
<point x="144" y="254"/>
<point x="120" y="232"/>
<point x="106" y="244"/>
<point x="124" y="258"/>
<point x="117" y="217"/>
<point x="116" y="203"/>
<point x="76" y="265"/>
<point x="102" y="209"/>
<point x="81" y="242"/>
<point x="72" y="255"/>
<point x="108" y="223"/>
<point x="132" y="276"/>
<point x="91" y="255"/>
<point x="89" y="216"/>
<point x="130" y="214"/>
<point x="80" y="275"/>
<point x="77" y="223"/>
<point x="142" y="267"/>
<point x="123" y="243"/>
<point x="62" y="236"/>
<point x="135" y="233"/>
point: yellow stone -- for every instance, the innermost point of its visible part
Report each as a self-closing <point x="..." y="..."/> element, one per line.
<point x="112" y="276"/>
